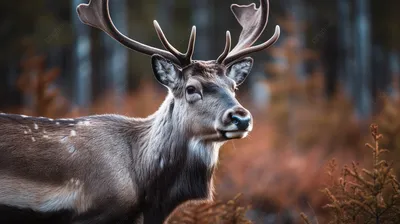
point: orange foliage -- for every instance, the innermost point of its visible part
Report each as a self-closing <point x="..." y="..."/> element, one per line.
<point x="273" y="179"/>
<point x="141" y="103"/>
<point x="363" y="195"/>
<point x="36" y="84"/>
<point x="217" y="212"/>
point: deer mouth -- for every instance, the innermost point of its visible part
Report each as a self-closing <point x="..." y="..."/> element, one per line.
<point x="233" y="134"/>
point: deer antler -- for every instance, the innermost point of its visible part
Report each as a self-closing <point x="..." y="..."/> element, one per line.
<point x="97" y="14"/>
<point x="253" y="21"/>
<point x="186" y="58"/>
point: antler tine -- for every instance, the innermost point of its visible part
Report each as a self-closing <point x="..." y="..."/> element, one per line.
<point x="253" y="49"/>
<point x="165" y="41"/>
<point x="97" y="14"/>
<point x="184" y="59"/>
<point x="228" y="44"/>
<point x="192" y="42"/>
<point x="253" y="21"/>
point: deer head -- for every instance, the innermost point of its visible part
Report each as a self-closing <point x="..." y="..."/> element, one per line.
<point x="203" y="91"/>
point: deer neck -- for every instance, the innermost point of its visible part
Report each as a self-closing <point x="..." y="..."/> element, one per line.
<point x="179" y="166"/>
<point x="168" y="136"/>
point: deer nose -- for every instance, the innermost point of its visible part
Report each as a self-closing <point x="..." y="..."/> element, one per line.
<point x="240" y="117"/>
<point x="241" y="122"/>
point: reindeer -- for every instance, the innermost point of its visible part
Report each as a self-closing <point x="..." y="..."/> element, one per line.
<point x="117" y="169"/>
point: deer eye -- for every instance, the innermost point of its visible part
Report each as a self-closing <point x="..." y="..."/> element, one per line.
<point x="190" y="90"/>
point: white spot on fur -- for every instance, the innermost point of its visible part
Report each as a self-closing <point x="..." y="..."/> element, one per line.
<point x="23" y="116"/>
<point x="50" y="119"/>
<point x="57" y="123"/>
<point x="71" y="124"/>
<point x="25" y="132"/>
<point x="85" y="123"/>
<point x="74" y="181"/>
<point x="162" y="163"/>
<point x="45" y="136"/>
<point x="35" y="126"/>
<point x="66" y="119"/>
<point x="64" y="140"/>
<point x="73" y="133"/>
<point x="71" y="149"/>
<point x="29" y="130"/>
<point x="33" y="139"/>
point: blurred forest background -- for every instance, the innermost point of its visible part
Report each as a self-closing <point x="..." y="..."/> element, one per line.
<point x="334" y="70"/>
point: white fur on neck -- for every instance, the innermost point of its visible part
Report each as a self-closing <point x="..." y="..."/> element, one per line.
<point x="207" y="152"/>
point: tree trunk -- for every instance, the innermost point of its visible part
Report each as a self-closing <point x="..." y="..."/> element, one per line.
<point x="393" y="74"/>
<point x="202" y="17"/>
<point x="81" y="63"/>
<point x="115" y="55"/>
<point x="345" y="52"/>
<point x="165" y="9"/>
<point x="297" y="11"/>
<point x="363" y="59"/>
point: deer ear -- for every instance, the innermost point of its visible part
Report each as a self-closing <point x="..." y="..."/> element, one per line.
<point x="239" y="70"/>
<point x="165" y="71"/>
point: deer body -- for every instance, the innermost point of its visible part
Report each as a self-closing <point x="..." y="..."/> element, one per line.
<point x="115" y="169"/>
<point x="142" y="168"/>
<point x="82" y="165"/>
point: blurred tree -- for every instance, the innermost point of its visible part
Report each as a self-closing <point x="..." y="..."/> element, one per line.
<point x="202" y="16"/>
<point x="287" y="91"/>
<point x="81" y="63"/>
<point x="330" y="59"/>
<point x="50" y="24"/>
<point x="378" y="65"/>
<point x="164" y="13"/>
<point x="394" y="68"/>
<point x="386" y="23"/>
<point x="115" y="55"/>
<point x="345" y="55"/>
<point x="362" y="48"/>
<point x="18" y="20"/>
<point x="22" y="21"/>
<point x="296" y="10"/>
<point x="36" y="83"/>
<point x="140" y="27"/>
<point x="99" y="77"/>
